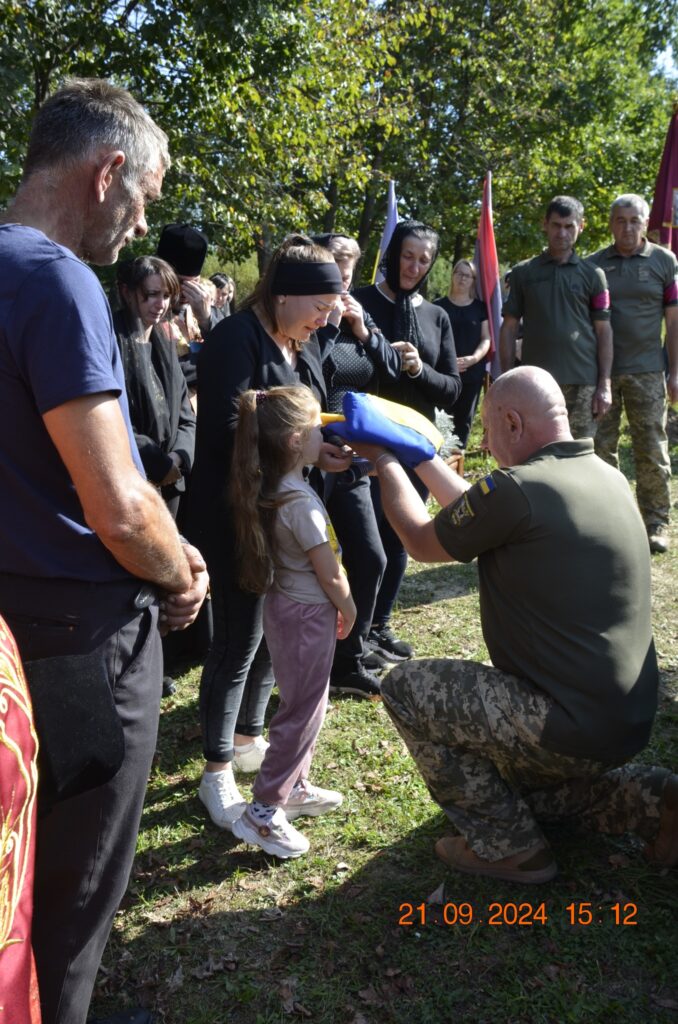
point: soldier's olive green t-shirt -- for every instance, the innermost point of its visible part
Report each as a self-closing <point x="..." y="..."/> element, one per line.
<point x="558" y="303"/>
<point x="564" y="571"/>
<point x="641" y="287"/>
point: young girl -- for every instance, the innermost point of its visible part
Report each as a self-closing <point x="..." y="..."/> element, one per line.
<point x="287" y="548"/>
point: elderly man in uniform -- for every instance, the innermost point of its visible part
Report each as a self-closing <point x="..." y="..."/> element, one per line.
<point x="546" y="731"/>
<point x="643" y="283"/>
<point x="87" y="547"/>
<point x="564" y="306"/>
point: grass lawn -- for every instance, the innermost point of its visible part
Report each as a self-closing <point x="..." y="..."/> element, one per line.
<point x="212" y="931"/>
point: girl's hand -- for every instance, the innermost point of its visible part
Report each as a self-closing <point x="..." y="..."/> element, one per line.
<point x="333" y="459"/>
<point x="345" y="620"/>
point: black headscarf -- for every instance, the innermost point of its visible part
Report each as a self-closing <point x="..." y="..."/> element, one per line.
<point x="405" y="323"/>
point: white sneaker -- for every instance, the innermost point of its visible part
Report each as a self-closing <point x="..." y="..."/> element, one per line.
<point x="250" y="756"/>
<point x="222" y="798"/>
<point x="278" y="837"/>
<point x="311" y="801"/>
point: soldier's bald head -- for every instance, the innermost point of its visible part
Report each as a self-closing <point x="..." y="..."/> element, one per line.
<point x="524" y="411"/>
<point x="530" y="390"/>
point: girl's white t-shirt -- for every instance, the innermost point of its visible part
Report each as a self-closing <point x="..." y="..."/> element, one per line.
<point x="301" y="523"/>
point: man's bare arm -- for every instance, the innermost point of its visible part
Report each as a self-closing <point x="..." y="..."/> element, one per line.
<point x="406" y="512"/>
<point x="602" y="399"/>
<point x="126" y="513"/>
<point x="444" y="484"/>
<point x="671" y="320"/>
<point x="507" y="342"/>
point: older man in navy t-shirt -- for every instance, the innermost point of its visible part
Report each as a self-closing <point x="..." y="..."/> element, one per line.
<point x="86" y="545"/>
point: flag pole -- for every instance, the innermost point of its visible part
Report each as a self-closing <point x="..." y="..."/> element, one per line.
<point x="391" y="221"/>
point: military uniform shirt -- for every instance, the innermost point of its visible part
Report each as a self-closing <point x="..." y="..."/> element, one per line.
<point x="564" y="574"/>
<point x="641" y="286"/>
<point x="558" y="303"/>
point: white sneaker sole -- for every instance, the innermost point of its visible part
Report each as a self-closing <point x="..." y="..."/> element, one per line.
<point x="311" y="810"/>
<point x="223" y="823"/>
<point x="241" y="830"/>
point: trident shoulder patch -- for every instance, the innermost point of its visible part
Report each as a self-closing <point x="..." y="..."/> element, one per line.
<point x="461" y="513"/>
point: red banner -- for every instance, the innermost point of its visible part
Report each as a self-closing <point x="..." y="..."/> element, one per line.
<point x="487" y="267"/>
<point x="663" y="225"/>
<point x="18" y="785"/>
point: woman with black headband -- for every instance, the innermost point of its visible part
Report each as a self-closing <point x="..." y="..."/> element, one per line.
<point x="429" y="380"/>
<point x="270" y="342"/>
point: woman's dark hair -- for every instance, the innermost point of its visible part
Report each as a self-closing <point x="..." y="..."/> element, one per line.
<point x="405" y="323"/>
<point x="390" y="264"/>
<point x="220" y="280"/>
<point x="131" y="274"/>
<point x="293" y="249"/>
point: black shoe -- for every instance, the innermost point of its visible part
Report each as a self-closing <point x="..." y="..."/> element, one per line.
<point x="136" y="1016"/>
<point x="373" y="661"/>
<point x="383" y="640"/>
<point x="658" y="536"/>
<point x="168" y="686"/>
<point x="360" y="683"/>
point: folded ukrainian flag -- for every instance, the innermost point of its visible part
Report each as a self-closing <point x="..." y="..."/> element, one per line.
<point x="402" y="430"/>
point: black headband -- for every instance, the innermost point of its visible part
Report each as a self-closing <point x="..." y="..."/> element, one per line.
<point x="294" y="278"/>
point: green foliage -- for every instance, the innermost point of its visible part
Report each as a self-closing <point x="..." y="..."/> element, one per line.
<point x="295" y="113"/>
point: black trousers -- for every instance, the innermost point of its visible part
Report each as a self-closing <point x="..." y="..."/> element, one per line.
<point x="396" y="556"/>
<point x="464" y="409"/>
<point x="237" y="678"/>
<point x="352" y="515"/>
<point x="85" y="845"/>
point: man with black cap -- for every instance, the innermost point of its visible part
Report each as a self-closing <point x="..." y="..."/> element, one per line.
<point x="185" y="249"/>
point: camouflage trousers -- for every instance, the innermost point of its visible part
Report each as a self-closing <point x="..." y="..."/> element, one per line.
<point x="474" y="733"/>
<point x="578" y="398"/>
<point x="643" y="396"/>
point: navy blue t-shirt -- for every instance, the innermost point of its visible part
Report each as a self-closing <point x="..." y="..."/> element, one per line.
<point x="56" y="344"/>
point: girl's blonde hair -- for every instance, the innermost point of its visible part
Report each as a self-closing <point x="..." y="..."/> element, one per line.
<point x="261" y="457"/>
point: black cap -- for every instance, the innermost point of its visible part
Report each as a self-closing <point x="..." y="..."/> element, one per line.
<point x="184" y="248"/>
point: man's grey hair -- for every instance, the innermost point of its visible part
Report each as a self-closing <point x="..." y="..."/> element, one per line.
<point x="631" y="199"/>
<point x="87" y="114"/>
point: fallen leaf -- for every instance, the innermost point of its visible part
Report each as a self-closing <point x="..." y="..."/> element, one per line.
<point x="380" y="951"/>
<point x="392" y="972"/>
<point x="286" y="991"/>
<point x="271" y="914"/>
<point x="370" y="996"/>
<point x="342" y="866"/>
<point x="664" y="1001"/>
<point x="437" y="897"/>
<point x="176" y="980"/>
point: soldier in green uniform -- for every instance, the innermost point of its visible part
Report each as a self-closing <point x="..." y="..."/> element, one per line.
<point x="547" y="730"/>
<point x="643" y="283"/>
<point x="564" y="305"/>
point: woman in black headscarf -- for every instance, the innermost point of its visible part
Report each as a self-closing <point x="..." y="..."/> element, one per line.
<point x="429" y="380"/>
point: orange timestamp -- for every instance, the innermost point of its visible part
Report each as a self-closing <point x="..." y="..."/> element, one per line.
<point x="525" y="914"/>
